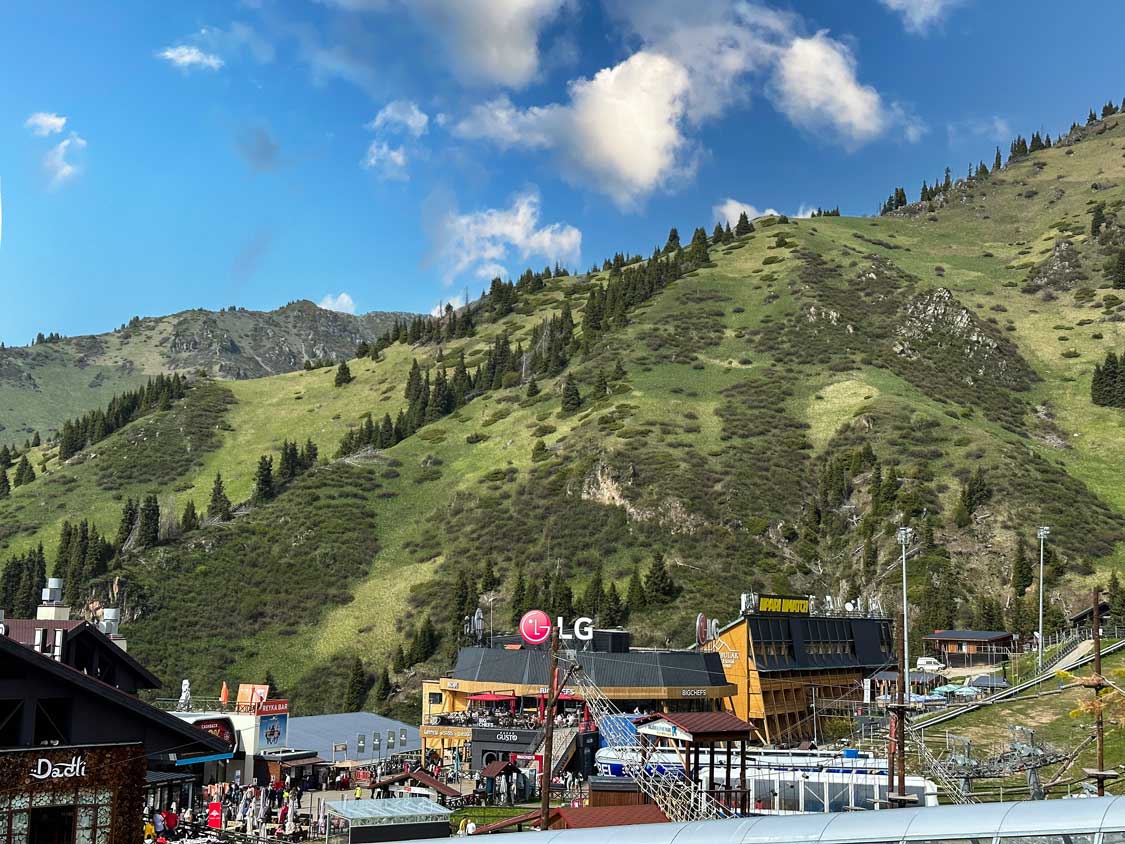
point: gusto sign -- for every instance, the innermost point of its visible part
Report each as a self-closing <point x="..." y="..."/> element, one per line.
<point x="535" y="628"/>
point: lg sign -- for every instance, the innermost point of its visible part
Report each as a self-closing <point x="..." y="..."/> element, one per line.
<point x="535" y="628"/>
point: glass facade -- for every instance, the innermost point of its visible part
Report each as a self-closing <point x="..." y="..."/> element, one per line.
<point x="91" y="815"/>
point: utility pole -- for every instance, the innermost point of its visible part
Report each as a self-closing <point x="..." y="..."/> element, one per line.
<point x="1099" y="720"/>
<point x="549" y="734"/>
<point x="902" y="675"/>
<point x="904" y="536"/>
<point x="1042" y="533"/>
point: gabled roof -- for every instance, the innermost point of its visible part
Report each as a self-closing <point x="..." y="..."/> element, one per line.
<point x="111" y="694"/>
<point x="422" y="778"/>
<point x="23" y="630"/>
<point x="968" y="635"/>
<point x="701" y="723"/>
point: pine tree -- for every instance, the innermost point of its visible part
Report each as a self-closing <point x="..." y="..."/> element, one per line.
<point x="594" y="596"/>
<point x="717" y="234"/>
<point x="1097" y="219"/>
<point x="659" y="586"/>
<point x="601" y="386"/>
<point x="870" y="561"/>
<point x="4" y="486"/>
<point x="518" y="601"/>
<point x="24" y="473"/>
<point x="149" y="535"/>
<point x="635" y="595"/>
<point x="539" y="451"/>
<point x="343" y="374"/>
<point x="356" y="691"/>
<point x="613" y="610"/>
<point x="1021" y="569"/>
<point x="571" y="398"/>
<point x="673" y="240"/>
<point x="743" y="226"/>
<point x="1117" y="271"/>
<point x="532" y="388"/>
<point x="997" y="162"/>
<point x="1115" y="599"/>
<point x="190" y="519"/>
<point x="219" y="508"/>
<point x="383" y="685"/>
<point x="263" y="479"/>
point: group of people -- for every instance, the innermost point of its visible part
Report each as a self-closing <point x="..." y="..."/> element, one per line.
<point x="164" y="825"/>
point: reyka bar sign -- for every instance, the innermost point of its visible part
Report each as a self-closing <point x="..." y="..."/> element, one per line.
<point x="45" y="769"/>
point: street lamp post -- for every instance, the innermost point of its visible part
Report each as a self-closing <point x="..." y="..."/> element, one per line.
<point x="1042" y="533"/>
<point x="904" y="536"/>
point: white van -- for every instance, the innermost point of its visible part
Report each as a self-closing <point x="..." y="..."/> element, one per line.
<point x="928" y="663"/>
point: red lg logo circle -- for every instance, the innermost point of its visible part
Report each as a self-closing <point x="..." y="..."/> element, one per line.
<point x="535" y="627"/>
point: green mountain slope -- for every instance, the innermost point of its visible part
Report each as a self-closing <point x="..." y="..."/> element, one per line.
<point x="767" y="421"/>
<point x="46" y="383"/>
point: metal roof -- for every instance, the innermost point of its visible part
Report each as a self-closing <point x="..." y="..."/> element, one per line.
<point x="701" y="723"/>
<point x="639" y="669"/>
<point x="422" y="778"/>
<point x="968" y="635"/>
<point x="397" y="809"/>
<point x="980" y="821"/>
<point x="586" y="817"/>
<point x="320" y="732"/>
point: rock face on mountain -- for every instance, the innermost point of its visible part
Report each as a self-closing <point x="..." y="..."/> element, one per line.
<point x="44" y="384"/>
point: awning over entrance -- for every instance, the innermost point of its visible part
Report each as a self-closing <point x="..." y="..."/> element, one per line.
<point x="491" y="697"/>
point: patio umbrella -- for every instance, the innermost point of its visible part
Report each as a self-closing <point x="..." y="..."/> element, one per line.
<point x="947" y="689"/>
<point x="224" y="695"/>
<point x="967" y="691"/>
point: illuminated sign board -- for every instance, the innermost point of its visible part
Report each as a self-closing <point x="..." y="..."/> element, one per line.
<point x="46" y="769"/>
<point x="783" y="604"/>
<point x="221" y="728"/>
<point x="535" y="628"/>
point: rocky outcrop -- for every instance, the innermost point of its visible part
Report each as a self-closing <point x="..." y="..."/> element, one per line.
<point x="605" y="485"/>
<point x="1061" y="270"/>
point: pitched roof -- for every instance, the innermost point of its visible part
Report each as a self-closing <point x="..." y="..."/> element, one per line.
<point x="320" y="732"/>
<point x="528" y="667"/>
<point x="497" y="767"/>
<point x="422" y="778"/>
<point x="969" y="635"/>
<point x="595" y="816"/>
<point x="526" y="817"/>
<point x="701" y="723"/>
<point x="23" y="630"/>
<point x="113" y="695"/>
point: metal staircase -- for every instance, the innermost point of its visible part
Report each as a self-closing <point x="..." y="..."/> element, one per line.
<point x="673" y="792"/>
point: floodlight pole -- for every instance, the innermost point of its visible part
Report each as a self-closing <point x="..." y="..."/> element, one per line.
<point x="903" y="535"/>
<point x="1042" y="533"/>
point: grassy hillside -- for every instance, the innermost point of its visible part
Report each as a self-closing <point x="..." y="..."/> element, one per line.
<point x="46" y="383"/>
<point x="767" y="417"/>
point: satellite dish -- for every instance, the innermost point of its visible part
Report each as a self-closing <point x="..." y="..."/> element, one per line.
<point x="849" y="606"/>
<point x="700" y="629"/>
<point x="713" y="630"/>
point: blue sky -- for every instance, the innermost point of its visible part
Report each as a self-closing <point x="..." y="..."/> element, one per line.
<point x="388" y="154"/>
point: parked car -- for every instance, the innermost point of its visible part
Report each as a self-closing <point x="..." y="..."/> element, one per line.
<point x="929" y="663"/>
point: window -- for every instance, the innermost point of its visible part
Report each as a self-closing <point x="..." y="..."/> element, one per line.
<point x="837" y="796"/>
<point x="1077" y="838"/>
<point x="11" y="716"/>
<point x="813" y="793"/>
<point x="790" y="797"/>
<point x="52" y="721"/>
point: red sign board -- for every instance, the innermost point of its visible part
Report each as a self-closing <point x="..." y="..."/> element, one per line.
<point x="273" y="707"/>
<point x="215" y="815"/>
<point x="221" y="728"/>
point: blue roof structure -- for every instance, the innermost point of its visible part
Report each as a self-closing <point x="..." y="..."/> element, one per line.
<point x="320" y="732"/>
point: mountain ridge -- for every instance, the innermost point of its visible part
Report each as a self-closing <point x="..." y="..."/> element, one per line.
<point x="47" y="382"/>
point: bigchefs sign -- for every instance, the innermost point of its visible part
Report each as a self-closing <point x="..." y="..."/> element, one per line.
<point x="535" y="628"/>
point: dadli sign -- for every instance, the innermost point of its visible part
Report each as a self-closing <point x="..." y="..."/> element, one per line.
<point x="46" y="769"/>
<point x="535" y="628"/>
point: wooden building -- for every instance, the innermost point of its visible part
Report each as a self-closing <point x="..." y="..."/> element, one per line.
<point x="783" y="660"/>
<point x="961" y="648"/>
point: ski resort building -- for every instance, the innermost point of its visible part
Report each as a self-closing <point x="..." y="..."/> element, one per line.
<point x="785" y="660"/>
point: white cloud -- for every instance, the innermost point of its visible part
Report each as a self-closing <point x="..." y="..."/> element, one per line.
<point x="186" y="57"/>
<point x="480" y="241"/>
<point x="457" y="302"/>
<point x="58" y="168"/>
<point x="238" y="36"/>
<point x="918" y="16"/>
<point x="402" y="114"/>
<point x="804" y="212"/>
<point x="389" y="162"/>
<point x="994" y="129"/>
<point x="621" y="132"/>
<point x="730" y="208"/>
<point x="493" y="42"/>
<point x="342" y="303"/>
<point x="815" y="86"/>
<point x="44" y="123"/>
